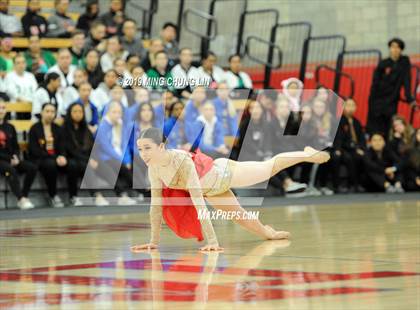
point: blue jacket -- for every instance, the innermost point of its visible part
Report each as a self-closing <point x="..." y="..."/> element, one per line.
<point x="95" y="113"/>
<point x="190" y="118"/>
<point x="103" y="142"/>
<point x="159" y="116"/>
<point x="126" y="115"/>
<point x="218" y="136"/>
<point x="174" y="132"/>
<point x="230" y="123"/>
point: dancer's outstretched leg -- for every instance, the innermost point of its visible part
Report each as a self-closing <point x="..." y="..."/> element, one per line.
<point x="228" y="202"/>
<point x="248" y="173"/>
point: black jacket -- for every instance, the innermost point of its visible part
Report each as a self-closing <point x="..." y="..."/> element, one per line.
<point x="254" y="141"/>
<point x="96" y="76"/>
<point x="388" y="78"/>
<point x="84" y="21"/>
<point x="377" y="164"/>
<point x="30" y="20"/>
<point x="37" y="143"/>
<point x="283" y="136"/>
<point x="77" y="144"/>
<point x="8" y="142"/>
<point x="343" y="140"/>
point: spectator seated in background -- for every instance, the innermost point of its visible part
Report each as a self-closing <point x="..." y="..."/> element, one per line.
<point x="130" y="40"/>
<point x="324" y="94"/>
<point x="148" y="62"/>
<point x="114" y="18"/>
<point x="235" y="78"/>
<point x="78" y="143"/>
<point x="7" y="54"/>
<point x="161" y="110"/>
<point x="225" y="110"/>
<point x="38" y="61"/>
<point x="141" y="95"/>
<point x="77" y="48"/>
<point x="209" y="71"/>
<point x="46" y="151"/>
<point x="381" y="167"/>
<point x="159" y="77"/>
<point x="143" y="120"/>
<point x="350" y="146"/>
<point x="210" y="131"/>
<point x="71" y="93"/>
<point x="174" y="128"/>
<point x="90" y="111"/>
<point x="410" y="165"/>
<point x="93" y="68"/>
<point x="113" y="152"/>
<point x="120" y="67"/>
<point x="47" y="92"/>
<point x="292" y="90"/>
<point x="117" y="94"/>
<point x="113" y="51"/>
<point x="85" y="20"/>
<point x="33" y="23"/>
<point x="185" y="74"/>
<point x="96" y="38"/>
<point x="284" y="128"/>
<point x="64" y="68"/>
<point x="268" y="99"/>
<point x="20" y="85"/>
<point x="60" y="25"/>
<point x="102" y="94"/>
<point x="9" y="23"/>
<point x="400" y="137"/>
<point x="192" y="112"/>
<point x="12" y="164"/>
<point x="324" y="122"/>
<point x="254" y="142"/>
<point x="168" y="35"/>
<point x="132" y="62"/>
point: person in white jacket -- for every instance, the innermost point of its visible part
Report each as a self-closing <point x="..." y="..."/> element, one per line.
<point x="19" y="84"/>
<point x="102" y="94"/>
<point x="235" y="78"/>
<point x="185" y="75"/>
<point x="71" y="93"/>
<point x="48" y="92"/>
<point x="64" y="68"/>
<point x="209" y="71"/>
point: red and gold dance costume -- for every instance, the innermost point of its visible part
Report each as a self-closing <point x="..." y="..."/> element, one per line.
<point x="177" y="193"/>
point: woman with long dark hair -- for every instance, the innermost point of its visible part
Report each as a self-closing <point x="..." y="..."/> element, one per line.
<point x="144" y="120"/>
<point x="78" y="143"/>
<point x="46" y="150"/>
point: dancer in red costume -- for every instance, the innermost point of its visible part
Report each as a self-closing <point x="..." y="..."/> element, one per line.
<point x="191" y="178"/>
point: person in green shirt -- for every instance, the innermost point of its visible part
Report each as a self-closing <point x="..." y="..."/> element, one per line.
<point x="159" y="77"/>
<point x="6" y="53"/>
<point x="38" y="61"/>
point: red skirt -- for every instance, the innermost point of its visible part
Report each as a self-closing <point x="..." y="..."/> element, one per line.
<point x="182" y="217"/>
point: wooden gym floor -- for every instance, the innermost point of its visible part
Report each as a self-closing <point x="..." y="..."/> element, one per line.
<point x="343" y="255"/>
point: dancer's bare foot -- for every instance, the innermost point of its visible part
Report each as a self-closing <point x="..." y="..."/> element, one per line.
<point x="276" y="235"/>
<point x="316" y="156"/>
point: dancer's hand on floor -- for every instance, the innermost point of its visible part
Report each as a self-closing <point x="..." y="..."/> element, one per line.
<point x="142" y="247"/>
<point x="211" y="247"/>
<point x="315" y="156"/>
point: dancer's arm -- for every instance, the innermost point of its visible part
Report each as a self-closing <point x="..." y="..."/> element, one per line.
<point x="194" y="188"/>
<point x="155" y="207"/>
